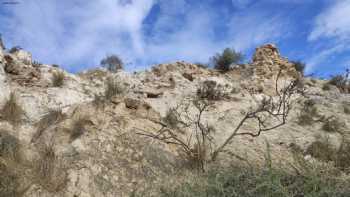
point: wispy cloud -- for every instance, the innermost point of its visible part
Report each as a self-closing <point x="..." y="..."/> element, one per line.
<point x="332" y="28"/>
<point x="76" y="33"/>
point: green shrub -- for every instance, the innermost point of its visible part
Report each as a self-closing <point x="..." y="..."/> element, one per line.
<point x="15" y="49"/>
<point x="223" y="61"/>
<point x="324" y="151"/>
<point x="12" y="111"/>
<point x="247" y="182"/>
<point x="299" y="66"/>
<point x="58" y="79"/>
<point x="112" y="63"/>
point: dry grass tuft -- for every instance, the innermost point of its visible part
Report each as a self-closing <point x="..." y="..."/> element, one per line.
<point x="49" y="170"/>
<point x="78" y="127"/>
<point x="113" y="88"/>
<point x="58" y="79"/>
<point x="9" y="146"/>
<point x="12" y="111"/>
<point x="51" y="118"/>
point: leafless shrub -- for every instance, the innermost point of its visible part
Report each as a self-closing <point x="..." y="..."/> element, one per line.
<point x="58" y="79"/>
<point x="51" y="118"/>
<point x="49" y="171"/>
<point x="12" y="111"/>
<point x="210" y="90"/>
<point x="270" y="114"/>
<point x="342" y="82"/>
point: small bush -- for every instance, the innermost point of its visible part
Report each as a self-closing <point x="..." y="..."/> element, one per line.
<point x="342" y="82"/>
<point x="78" y="127"/>
<point x="15" y="49"/>
<point x="332" y="125"/>
<point x="324" y="151"/>
<point x="172" y="118"/>
<point x="308" y="113"/>
<point x="12" y="111"/>
<point x="211" y="91"/>
<point x="202" y="65"/>
<point x="98" y="102"/>
<point x="223" y="62"/>
<point x="58" y="79"/>
<point x="112" y="63"/>
<point x="326" y="87"/>
<point x="9" y="146"/>
<point x="299" y="66"/>
<point x="113" y="88"/>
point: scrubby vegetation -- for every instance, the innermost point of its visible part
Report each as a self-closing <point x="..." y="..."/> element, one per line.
<point x="78" y="126"/>
<point x="308" y="113"/>
<point x="299" y="66"/>
<point x="223" y="61"/>
<point x="210" y="90"/>
<point x="341" y="81"/>
<point x="58" y="79"/>
<point x="12" y="111"/>
<point x="242" y="180"/>
<point x="112" y="63"/>
<point x="113" y="88"/>
<point x="49" y="170"/>
<point x="15" y="49"/>
<point x="332" y="125"/>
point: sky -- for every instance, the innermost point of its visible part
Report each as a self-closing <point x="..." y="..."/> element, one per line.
<point x="77" y="34"/>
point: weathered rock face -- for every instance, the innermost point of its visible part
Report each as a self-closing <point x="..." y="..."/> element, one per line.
<point x="267" y="61"/>
<point x="4" y="87"/>
<point x="110" y="158"/>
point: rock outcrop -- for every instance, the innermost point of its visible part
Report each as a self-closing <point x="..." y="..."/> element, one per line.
<point x="99" y="147"/>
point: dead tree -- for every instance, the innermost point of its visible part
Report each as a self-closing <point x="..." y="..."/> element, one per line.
<point x="271" y="113"/>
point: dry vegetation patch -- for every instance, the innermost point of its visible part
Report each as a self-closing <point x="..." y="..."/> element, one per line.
<point x="12" y="111"/>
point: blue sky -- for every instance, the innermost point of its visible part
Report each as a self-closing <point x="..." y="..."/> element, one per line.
<point x="77" y="34"/>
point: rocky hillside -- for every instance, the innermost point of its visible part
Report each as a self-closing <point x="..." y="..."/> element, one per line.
<point x="98" y="133"/>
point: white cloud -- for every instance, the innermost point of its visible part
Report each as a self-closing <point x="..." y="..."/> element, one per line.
<point x="69" y="31"/>
<point x="334" y="22"/>
<point x="79" y="32"/>
<point x="332" y="28"/>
